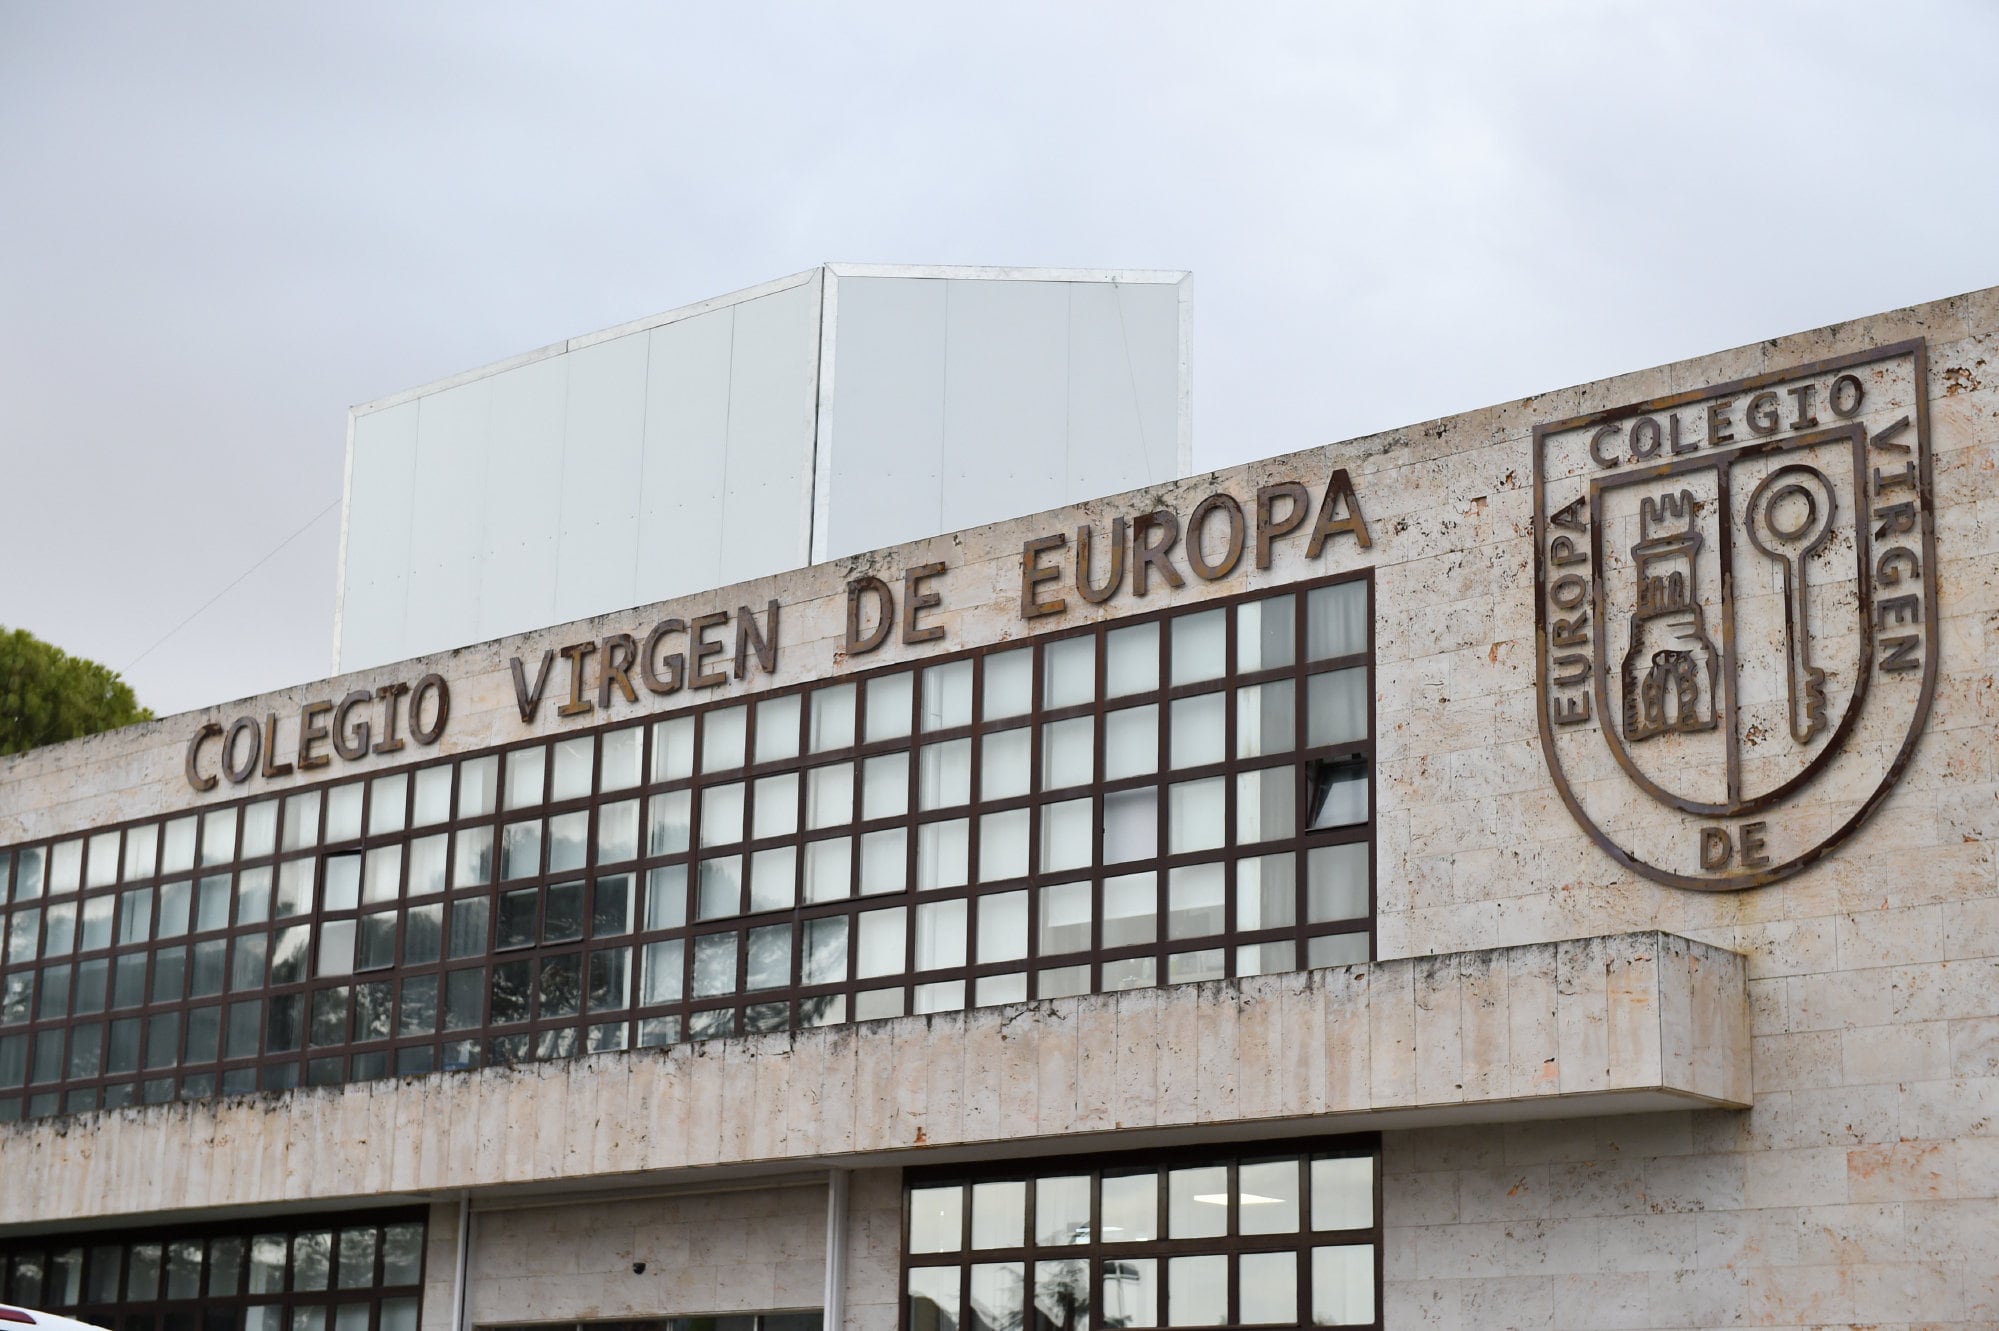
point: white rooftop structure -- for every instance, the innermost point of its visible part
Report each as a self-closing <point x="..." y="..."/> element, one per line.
<point x="841" y="409"/>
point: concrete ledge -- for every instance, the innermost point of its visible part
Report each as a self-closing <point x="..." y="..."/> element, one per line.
<point x="1626" y="1023"/>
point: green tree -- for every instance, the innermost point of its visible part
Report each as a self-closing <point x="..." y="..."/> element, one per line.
<point x="47" y="695"/>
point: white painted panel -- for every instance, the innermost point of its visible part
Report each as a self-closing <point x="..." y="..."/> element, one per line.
<point x="1151" y="327"/>
<point x="1006" y="401"/>
<point x="687" y="420"/>
<point x="375" y="581"/>
<point x="447" y="531"/>
<point x="1108" y="448"/>
<point x="523" y="470"/>
<point x="602" y="463"/>
<point x="887" y="439"/>
<point x="773" y="392"/>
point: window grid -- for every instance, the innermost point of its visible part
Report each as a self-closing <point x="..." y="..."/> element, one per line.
<point x="351" y="1271"/>
<point x="413" y="921"/>
<point x="1046" y="1254"/>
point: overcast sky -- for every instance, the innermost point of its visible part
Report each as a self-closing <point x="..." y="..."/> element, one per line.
<point x="221" y="225"/>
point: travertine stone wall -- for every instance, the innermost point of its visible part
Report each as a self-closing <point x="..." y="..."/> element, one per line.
<point x="1456" y="1037"/>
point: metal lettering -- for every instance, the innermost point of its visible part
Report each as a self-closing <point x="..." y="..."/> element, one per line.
<point x="1339" y="494"/>
<point x="1598" y="440"/>
<point x="1270" y="527"/>
<point x="390" y="694"/>
<point x="271" y="766"/>
<point x="1197" y="525"/>
<point x="237" y="772"/>
<point x="1802" y="418"/>
<point x="1154" y="554"/>
<point x="859" y="643"/>
<point x="1114" y="577"/>
<point x="1761" y="414"/>
<point x="914" y="602"/>
<point x="1032" y="575"/>
<point x="577" y="704"/>
<point x="528" y="701"/>
<point x="620" y="655"/>
<point x="311" y="730"/>
<point x="1846" y="396"/>
<point x="750" y="638"/>
<point x="192" y="763"/>
<point x="1646" y="439"/>
<point x="351" y="742"/>
<point x="673" y="664"/>
<point x="701" y="649"/>
<point x="430" y="686"/>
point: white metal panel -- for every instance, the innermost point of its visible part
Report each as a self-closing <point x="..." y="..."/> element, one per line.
<point x="772" y="393"/>
<point x="523" y="469"/>
<point x="687" y="420"/>
<point x="447" y="531"/>
<point x="602" y="465"/>
<point x="374" y="585"/>
<point x="1108" y="449"/>
<point x="1152" y="323"/>
<point x="1006" y="400"/>
<point x="882" y="457"/>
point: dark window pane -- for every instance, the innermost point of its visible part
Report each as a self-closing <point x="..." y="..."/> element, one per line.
<point x="511" y="982"/>
<point x="329" y="1017"/>
<point x="561" y="985"/>
<point x="373" y="1010"/>
<point x="464" y="999"/>
<point x="246" y="1021"/>
<point x="468" y="928"/>
<point x="204" y="1031"/>
<point x="562" y="920"/>
<point x="419" y="1011"/>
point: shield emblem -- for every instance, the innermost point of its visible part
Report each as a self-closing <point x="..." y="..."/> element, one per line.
<point x="1736" y="614"/>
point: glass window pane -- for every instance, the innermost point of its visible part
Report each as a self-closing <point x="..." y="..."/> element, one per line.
<point x="666" y="897"/>
<point x="468" y="927"/>
<point x="940" y="936"/>
<point x="829" y="869"/>
<point x="1267" y="1193"/>
<point x="568" y="841"/>
<point x="1068" y="752"/>
<point x="890" y="698"/>
<point x="1131" y="909"/>
<point x="478" y="782"/>
<point x="933" y="1298"/>
<point x="769" y="962"/>
<point x="562" y="913"/>
<point x="1265" y="892"/>
<point x="1003" y="845"/>
<point x="574" y="760"/>
<point x="884" y="861"/>
<point x="142" y="848"/>
<point x="775" y="806"/>
<point x="1265" y="719"/>
<point x="936" y="1220"/>
<point x="829" y="796"/>
<point x="218" y="846"/>
<point x="998" y="1296"/>
<point x="1343" y="1192"/>
<point x="1069" y="672"/>
<point x="387" y="798"/>
<point x="999" y="1214"/>
<point x="357" y="1258"/>
<point x="670" y="822"/>
<point x="881" y="947"/>
<point x="1131" y="660"/>
<point x="1062" y="1210"/>
<point x="1200" y="646"/>
<point x="611" y="906"/>
<point x="1005" y="767"/>
<point x="1197" y="1202"/>
<point x="722" y="814"/>
<point x="724" y="733"/>
<point x="1336" y="795"/>
<point x="433" y="796"/>
<point x="312" y="1260"/>
<point x="1335" y="620"/>
<point x="1195" y="901"/>
<point x="1131" y="825"/>
<point x="1131" y="742"/>
<point x="661" y="982"/>
<point x="524" y="777"/>
<point x="720" y="891"/>
<point x="1009" y="683"/>
<point x="1197" y="1290"/>
<point x="618" y="832"/>
<point x="620" y="755"/>
<point x="1343" y="1285"/>
<point x="885" y="786"/>
<point x="943" y="854"/>
<point x="260" y="830"/>
<point x="1336" y="882"/>
<point x="176" y="853"/>
<point x="825" y="958"/>
<point x="473" y="862"/>
<point x="520" y="849"/>
<point x="1199" y="730"/>
<point x="1336" y="707"/>
<point x="673" y="749"/>
<point x="1195" y="815"/>
<point x="1002" y="927"/>
<point x="1267" y="1289"/>
<point x="1065" y="919"/>
<point x="1066" y="830"/>
<point x="944" y="775"/>
<point x="1062" y="1295"/>
<point x="778" y="724"/>
<point x="1265" y="631"/>
<point x="1131" y="1207"/>
<point x="832" y="718"/>
<point x="947" y="696"/>
<point x="714" y="965"/>
<point x="517" y="918"/>
<point x="382" y="874"/>
<point x="1131" y="1292"/>
<point x="1265" y="805"/>
<point x="426" y="867"/>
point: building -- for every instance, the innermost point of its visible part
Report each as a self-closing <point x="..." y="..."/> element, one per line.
<point x="1529" y="869"/>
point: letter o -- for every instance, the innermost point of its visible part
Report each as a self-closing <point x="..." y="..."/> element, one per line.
<point x="1569" y="591"/>
<point x="1847" y="395"/>
<point x="429" y="684"/>
<point x="242" y="725"/>
<point x="1197" y="557"/>
<point x="1643" y="428"/>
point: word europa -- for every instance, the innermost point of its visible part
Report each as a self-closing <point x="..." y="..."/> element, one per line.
<point x="249" y="747"/>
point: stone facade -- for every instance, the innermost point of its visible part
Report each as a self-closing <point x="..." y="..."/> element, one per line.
<point x="1859" y="1187"/>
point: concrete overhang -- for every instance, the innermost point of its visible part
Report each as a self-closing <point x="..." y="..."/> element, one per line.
<point x="1628" y="1023"/>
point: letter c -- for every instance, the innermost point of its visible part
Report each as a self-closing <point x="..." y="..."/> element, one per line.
<point x="201" y="737"/>
<point x="1596" y="442"/>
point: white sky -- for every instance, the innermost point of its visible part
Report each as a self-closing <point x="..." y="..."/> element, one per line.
<point x="222" y="224"/>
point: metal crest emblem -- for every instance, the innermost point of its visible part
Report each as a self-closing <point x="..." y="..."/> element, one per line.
<point x="1736" y="614"/>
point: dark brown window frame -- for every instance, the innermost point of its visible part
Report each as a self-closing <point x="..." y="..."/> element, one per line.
<point x="389" y="991"/>
<point x="1096" y="1252"/>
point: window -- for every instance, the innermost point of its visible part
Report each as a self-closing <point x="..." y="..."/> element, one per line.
<point x="1271" y="1234"/>
<point x="1167" y="798"/>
